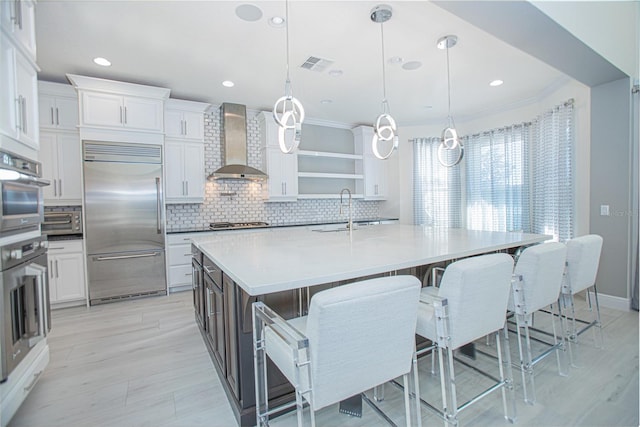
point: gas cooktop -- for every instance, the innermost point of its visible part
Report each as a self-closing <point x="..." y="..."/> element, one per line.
<point x="235" y="225"/>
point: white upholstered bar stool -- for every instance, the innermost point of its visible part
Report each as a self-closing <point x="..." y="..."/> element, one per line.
<point x="470" y="303"/>
<point x="538" y="276"/>
<point x="583" y="259"/>
<point x="355" y="337"/>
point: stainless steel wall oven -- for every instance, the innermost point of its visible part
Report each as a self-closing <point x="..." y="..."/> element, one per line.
<point x="21" y="199"/>
<point x="24" y="300"/>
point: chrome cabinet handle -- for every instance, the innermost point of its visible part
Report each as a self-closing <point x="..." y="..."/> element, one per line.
<point x="125" y="115"/>
<point x="158" y="207"/>
<point x="24" y="114"/>
<point x="19" y="113"/>
<point x="187" y="184"/>
<point x="33" y="381"/>
<point x="209" y="312"/>
<point x="52" y="122"/>
<point x="57" y="116"/>
<point x="57" y="271"/>
<point x="121" y="121"/>
<point x="109" y="258"/>
<point x="51" y="269"/>
<point x="60" y="186"/>
<point x="209" y="271"/>
<point x="55" y="189"/>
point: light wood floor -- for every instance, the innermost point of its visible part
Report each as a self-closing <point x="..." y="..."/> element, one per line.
<point x="143" y="363"/>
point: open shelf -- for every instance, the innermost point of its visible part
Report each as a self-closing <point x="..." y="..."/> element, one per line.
<point x="329" y="154"/>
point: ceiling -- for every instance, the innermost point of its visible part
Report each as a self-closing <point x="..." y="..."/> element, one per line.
<point x="192" y="46"/>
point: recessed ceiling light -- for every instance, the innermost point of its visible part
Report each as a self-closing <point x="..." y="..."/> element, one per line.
<point x="102" y="61"/>
<point x="395" y="60"/>
<point x="335" y="73"/>
<point x="248" y="12"/>
<point x="228" y="83"/>
<point x="326" y="101"/>
<point x="412" y="65"/>
<point x="276" y="21"/>
<point x="496" y="83"/>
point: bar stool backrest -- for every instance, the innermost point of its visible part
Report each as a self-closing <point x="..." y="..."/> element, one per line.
<point x="361" y="335"/>
<point x="583" y="258"/>
<point x="541" y="267"/>
<point x="477" y="290"/>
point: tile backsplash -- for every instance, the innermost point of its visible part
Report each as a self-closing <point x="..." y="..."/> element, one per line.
<point x="247" y="202"/>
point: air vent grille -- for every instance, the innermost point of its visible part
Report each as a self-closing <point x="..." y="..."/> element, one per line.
<point x="314" y="63"/>
<point x="115" y="152"/>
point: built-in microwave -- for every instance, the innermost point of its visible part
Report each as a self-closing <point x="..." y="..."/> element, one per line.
<point x="21" y="198"/>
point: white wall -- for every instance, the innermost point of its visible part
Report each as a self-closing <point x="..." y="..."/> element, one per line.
<point x="402" y="171"/>
<point x="608" y="27"/>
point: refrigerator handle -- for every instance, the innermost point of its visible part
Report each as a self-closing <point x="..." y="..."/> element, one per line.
<point x="158" y="206"/>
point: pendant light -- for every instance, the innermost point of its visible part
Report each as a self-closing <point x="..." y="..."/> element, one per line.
<point x="385" y="126"/>
<point x="449" y="140"/>
<point x="288" y="111"/>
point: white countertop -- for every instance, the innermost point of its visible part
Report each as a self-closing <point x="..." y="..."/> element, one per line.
<point x="274" y="260"/>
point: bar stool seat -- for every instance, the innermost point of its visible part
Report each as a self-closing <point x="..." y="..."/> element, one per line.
<point x="355" y="337"/>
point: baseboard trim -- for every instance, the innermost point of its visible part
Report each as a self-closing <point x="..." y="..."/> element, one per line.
<point x="609" y="301"/>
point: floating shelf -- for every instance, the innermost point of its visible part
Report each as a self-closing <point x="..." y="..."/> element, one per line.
<point x="307" y="153"/>
<point x="330" y="175"/>
<point x="328" y="196"/>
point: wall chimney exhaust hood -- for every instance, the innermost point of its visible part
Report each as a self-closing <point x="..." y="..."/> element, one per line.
<point x="234" y="146"/>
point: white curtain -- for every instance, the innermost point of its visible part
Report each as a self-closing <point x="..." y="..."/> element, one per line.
<point x="552" y="183"/>
<point x="497" y="179"/>
<point x="437" y="196"/>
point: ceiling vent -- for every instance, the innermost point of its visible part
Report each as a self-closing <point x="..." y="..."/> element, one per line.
<point x="314" y="63"/>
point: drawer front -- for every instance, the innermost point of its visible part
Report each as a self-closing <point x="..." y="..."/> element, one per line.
<point x="180" y="275"/>
<point x="180" y="255"/>
<point x="65" y="246"/>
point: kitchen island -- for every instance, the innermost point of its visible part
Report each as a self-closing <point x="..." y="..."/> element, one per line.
<point x="284" y="268"/>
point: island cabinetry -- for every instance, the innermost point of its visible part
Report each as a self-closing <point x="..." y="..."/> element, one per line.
<point x="374" y="171"/>
<point x="281" y="168"/>
<point x="66" y="273"/>
<point x="215" y="313"/>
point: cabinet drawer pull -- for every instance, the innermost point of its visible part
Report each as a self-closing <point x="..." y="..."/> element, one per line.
<point x="33" y="382"/>
<point x="210" y="271"/>
<point x="57" y="116"/>
<point x="52" y="122"/>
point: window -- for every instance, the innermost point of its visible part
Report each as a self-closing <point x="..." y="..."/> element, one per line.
<point x="511" y="179"/>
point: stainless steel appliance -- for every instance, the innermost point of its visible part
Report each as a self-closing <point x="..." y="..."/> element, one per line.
<point x="21" y="199"/>
<point x="66" y="222"/>
<point x="24" y="300"/>
<point x="123" y="220"/>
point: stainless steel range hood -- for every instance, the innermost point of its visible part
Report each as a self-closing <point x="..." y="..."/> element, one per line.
<point x="234" y="146"/>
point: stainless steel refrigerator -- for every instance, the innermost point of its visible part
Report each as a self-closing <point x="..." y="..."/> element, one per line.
<point x="124" y="220"/>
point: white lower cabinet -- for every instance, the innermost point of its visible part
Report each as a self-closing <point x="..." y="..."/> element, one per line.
<point x="66" y="272"/>
<point x="179" y="261"/>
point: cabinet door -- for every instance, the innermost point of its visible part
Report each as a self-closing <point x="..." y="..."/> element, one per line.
<point x="375" y="178"/>
<point x="290" y="174"/>
<point x="143" y="113"/>
<point x="194" y="171"/>
<point x="8" y="96"/>
<point x="231" y="335"/>
<point x="173" y="124"/>
<point x="69" y="275"/>
<point x="18" y="19"/>
<point x="27" y="89"/>
<point x="174" y="171"/>
<point x="283" y="175"/>
<point x="49" y="158"/>
<point x="47" y="111"/>
<point x="193" y="125"/>
<point x="66" y="113"/>
<point x="102" y="109"/>
<point x="69" y="168"/>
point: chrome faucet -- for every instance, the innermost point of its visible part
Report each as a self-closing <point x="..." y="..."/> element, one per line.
<point x="350" y="223"/>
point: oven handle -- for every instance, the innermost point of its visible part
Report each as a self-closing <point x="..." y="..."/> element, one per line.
<point x="39" y="272"/>
<point x="27" y="179"/>
<point x="56" y="222"/>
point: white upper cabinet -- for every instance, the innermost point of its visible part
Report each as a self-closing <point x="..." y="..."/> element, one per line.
<point x="58" y="106"/>
<point x="115" y="105"/>
<point x="375" y="171"/>
<point x="282" y="169"/>
<point x="61" y="158"/>
<point x="18" y="22"/>
<point x="19" y="90"/>
<point x="184" y="119"/>
<point x="184" y="172"/>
